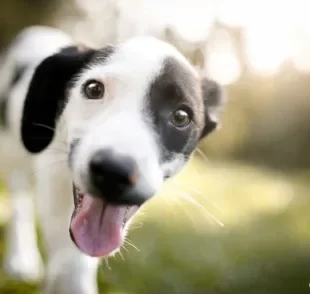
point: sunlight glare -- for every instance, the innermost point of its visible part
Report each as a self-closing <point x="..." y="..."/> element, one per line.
<point x="300" y="54"/>
<point x="222" y="63"/>
<point x="232" y="13"/>
<point x="200" y="17"/>
<point x="266" y="49"/>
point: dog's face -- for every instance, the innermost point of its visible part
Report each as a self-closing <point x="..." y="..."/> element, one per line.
<point x="134" y="115"/>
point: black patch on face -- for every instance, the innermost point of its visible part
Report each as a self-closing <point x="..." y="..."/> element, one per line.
<point x="214" y="101"/>
<point x="47" y="94"/>
<point x="18" y="73"/>
<point x="175" y="88"/>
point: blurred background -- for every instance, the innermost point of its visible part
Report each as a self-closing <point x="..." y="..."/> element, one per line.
<point x="237" y="219"/>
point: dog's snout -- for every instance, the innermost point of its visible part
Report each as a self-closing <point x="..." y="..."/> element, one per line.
<point x="113" y="169"/>
<point x="115" y="178"/>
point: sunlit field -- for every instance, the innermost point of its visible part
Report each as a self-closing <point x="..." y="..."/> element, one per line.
<point x="217" y="228"/>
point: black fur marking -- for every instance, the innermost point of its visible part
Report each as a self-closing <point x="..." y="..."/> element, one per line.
<point x="175" y="87"/>
<point x="18" y="73"/>
<point x="213" y="102"/>
<point x="46" y="95"/>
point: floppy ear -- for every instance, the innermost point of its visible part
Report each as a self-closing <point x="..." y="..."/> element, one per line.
<point x="214" y="101"/>
<point x="46" y="96"/>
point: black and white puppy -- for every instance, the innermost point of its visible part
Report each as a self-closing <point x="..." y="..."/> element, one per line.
<point x="102" y="129"/>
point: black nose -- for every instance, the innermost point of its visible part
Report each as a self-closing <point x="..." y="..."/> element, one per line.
<point x="120" y="170"/>
<point x="113" y="177"/>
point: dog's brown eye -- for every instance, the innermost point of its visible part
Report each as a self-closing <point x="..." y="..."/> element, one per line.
<point x="94" y="90"/>
<point x="181" y="118"/>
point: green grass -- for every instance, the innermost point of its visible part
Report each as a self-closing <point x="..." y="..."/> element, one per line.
<point x="263" y="247"/>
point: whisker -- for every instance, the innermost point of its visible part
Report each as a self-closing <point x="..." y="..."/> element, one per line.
<point x="197" y="204"/>
<point x="127" y="241"/>
<point x="135" y="225"/>
<point x="103" y="265"/>
<point x="124" y="247"/>
<point x="194" y="190"/>
<point x="44" y="126"/>
<point x="48" y="128"/>
<point x="107" y="263"/>
<point x="121" y="255"/>
<point x="200" y="152"/>
<point x="176" y="199"/>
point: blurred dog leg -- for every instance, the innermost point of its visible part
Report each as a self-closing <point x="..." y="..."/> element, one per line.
<point x="22" y="257"/>
<point x="68" y="271"/>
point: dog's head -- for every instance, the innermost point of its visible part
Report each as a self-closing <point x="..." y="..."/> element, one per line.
<point x="134" y="115"/>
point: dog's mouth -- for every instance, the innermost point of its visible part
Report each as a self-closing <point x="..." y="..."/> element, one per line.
<point x="98" y="228"/>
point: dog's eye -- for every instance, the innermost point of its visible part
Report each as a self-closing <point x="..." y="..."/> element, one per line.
<point x="93" y="89"/>
<point x="181" y="118"/>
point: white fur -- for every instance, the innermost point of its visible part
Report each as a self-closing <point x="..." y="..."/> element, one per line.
<point x="118" y="121"/>
<point x="54" y="201"/>
<point x="127" y="75"/>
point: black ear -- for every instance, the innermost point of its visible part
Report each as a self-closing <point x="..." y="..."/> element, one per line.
<point x="214" y="101"/>
<point x="46" y="96"/>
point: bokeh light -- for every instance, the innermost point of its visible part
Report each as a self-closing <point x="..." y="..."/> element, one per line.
<point x="222" y="63"/>
<point x="273" y="31"/>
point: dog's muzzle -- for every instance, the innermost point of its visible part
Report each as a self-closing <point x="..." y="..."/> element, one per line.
<point x="114" y="194"/>
<point x="115" y="179"/>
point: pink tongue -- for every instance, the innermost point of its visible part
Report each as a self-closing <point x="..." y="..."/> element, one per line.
<point x="97" y="227"/>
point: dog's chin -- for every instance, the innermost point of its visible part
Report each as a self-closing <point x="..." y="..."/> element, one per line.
<point x="98" y="228"/>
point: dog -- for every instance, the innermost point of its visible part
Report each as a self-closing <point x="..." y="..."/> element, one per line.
<point x="98" y="131"/>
